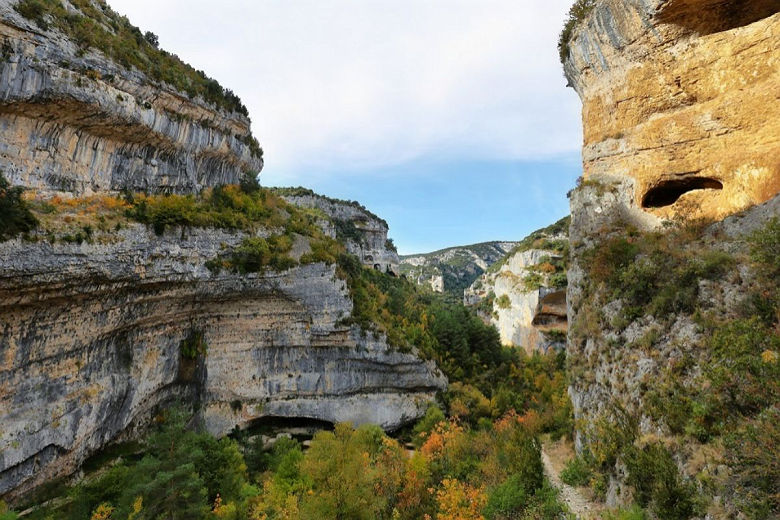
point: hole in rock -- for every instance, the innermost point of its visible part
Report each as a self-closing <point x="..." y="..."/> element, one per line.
<point x="669" y="191"/>
<point x="299" y="427"/>
<point x="712" y="16"/>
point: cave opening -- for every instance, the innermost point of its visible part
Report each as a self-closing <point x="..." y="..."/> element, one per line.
<point x="667" y="192"/>
<point x="713" y="16"/>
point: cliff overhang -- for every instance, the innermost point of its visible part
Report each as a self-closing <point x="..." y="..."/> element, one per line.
<point x="680" y="96"/>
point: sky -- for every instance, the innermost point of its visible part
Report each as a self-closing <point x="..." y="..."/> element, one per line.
<point x="448" y="118"/>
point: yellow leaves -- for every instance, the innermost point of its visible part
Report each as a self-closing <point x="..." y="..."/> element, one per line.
<point x="442" y="435"/>
<point x="769" y="357"/>
<point x="460" y="501"/>
<point x="102" y="512"/>
<point x="138" y="505"/>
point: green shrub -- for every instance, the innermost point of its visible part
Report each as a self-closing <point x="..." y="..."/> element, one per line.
<point x="255" y="255"/>
<point x="576" y="473"/>
<point x="752" y="451"/>
<point x="6" y="513"/>
<point x="15" y="215"/>
<point x="433" y="416"/>
<point x="194" y="345"/>
<point x="765" y="248"/>
<point x="633" y="513"/>
<point x="504" y="302"/>
<point x="249" y="183"/>
<point x="577" y="13"/>
<point x="656" y="480"/>
<point x="507" y="500"/>
<point x="33" y="10"/>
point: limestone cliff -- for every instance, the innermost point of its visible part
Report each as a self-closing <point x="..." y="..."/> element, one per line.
<point x="680" y="111"/>
<point x="73" y="119"/>
<point x="681" y="96"/>
<point x="90" y="348"/>
<point x="524" y="293"/>
<point x="453" y="269"/>
<point x="364" y="233"/>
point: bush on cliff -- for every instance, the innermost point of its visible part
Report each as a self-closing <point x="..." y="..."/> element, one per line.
<point x="577" y="13"/>
<point x="94" y="25"/>
<point x="15" y="215"/>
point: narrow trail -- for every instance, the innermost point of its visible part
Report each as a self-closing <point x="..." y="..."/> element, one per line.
<point x="579" y="505"/>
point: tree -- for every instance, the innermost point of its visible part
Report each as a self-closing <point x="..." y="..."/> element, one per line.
<point x="152" y="39"/>
<point x="15" y="216"/>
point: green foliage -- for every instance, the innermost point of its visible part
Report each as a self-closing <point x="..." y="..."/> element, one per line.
<point x="256" y="254"/>
<point x="653" y="274"/>
<point x="249" y="183"/>
<point x="657" y="483"/>
<point x="15" y="215"/>
<point x="541" y="239"/>
<point x="346" y="468"/>
<point x="765" y="249"/>
<point x="6" y="513"/>
<point x="227" y="207"/>
<point x="742" y="376"/>
<point x="577" y="13"/>
<point x="533" y="281"/>
<point x="94" y="25"/>
<point x="633" y="513"/>
<point x="178" y="478"/>
<point x="507" y="500"/>
<point x="504" y="302"/>
<point x="576" y="473"/>
<point x="194" y="345"/>
<point x="433" y="416"/>
<point x="752" y="452"/>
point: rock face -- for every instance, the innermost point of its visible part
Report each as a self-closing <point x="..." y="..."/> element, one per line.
<point x="525" y="312"/>
<point x="90" y="348"/>
<point x="74" y="120"/>
<point x="364" y="233"/>
<point x="628" y="364"/>
<point x="681" y="96"/>
<point x="453" y="269"/>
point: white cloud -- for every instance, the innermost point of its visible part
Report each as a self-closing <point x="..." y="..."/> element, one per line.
<point x="353" y="84"/>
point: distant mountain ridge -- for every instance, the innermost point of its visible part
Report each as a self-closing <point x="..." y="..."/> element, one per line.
<point x="453" y="269"/>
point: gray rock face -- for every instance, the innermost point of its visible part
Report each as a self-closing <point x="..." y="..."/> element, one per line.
<point x="621" y="364"/>
<point x="515" y="319"/>
<point x="81" y="123"/>
<point x="368" y="237"/>
<point x="90" y="347"/>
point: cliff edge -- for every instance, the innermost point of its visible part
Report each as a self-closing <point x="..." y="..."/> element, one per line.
<point x="88" y="104"/>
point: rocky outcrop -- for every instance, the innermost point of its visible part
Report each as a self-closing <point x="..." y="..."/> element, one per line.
<point x="681" y="97"/>
<point x="71" y="119"/>
<point x="363" y="233"/>
<point x="455" y="268"/>
<point x="91" y="335"/>
<point x="527" y="312"/>
<point x="633" y="364"/>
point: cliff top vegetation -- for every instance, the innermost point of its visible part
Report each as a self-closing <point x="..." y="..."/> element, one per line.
<point x="577" y="13"/>
<point x="94" y="25"/>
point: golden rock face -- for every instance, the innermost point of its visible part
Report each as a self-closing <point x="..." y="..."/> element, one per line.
<point x="683" y="96"/>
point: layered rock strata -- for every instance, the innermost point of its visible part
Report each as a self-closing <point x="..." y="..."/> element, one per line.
<point x="682" y="96"/>
<point x="364" y="233"/>
<point x="90" y="348"/>
<point x="73" y="120"/>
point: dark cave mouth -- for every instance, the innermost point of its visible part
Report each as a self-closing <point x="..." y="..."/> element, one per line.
<point x="668" y="192"/>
